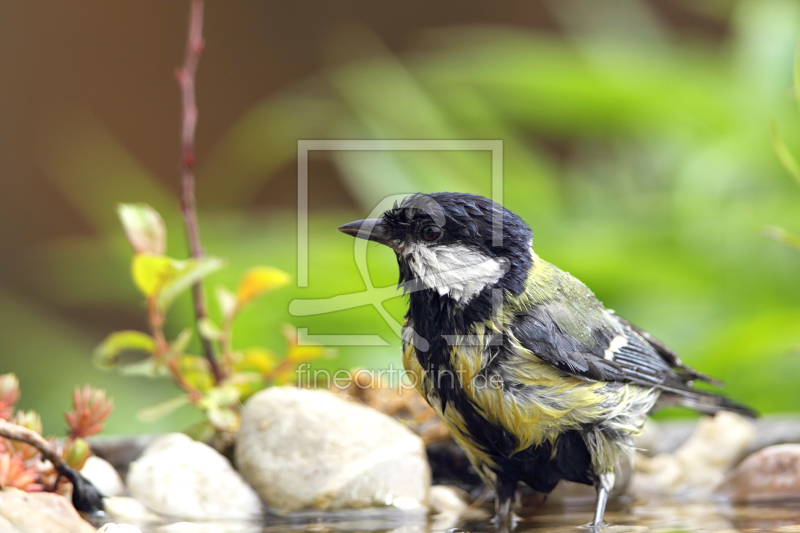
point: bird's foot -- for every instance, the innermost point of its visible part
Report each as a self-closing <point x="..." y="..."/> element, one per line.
<point x="505" y="524"/>
<point x="510" y="520"/>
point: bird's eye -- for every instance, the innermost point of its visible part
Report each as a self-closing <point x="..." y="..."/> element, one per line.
<point x="431" y="233"/>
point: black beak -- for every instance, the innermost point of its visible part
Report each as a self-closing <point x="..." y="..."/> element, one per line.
<point x="372" y="229"/>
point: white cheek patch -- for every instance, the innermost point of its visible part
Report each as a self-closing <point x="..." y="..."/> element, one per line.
<point x="454" y="270"/>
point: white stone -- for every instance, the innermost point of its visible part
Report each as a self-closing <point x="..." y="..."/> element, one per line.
<point x="310" y="449"/>
<point x="103" y="476"/>
<point x="129" y="510"/>
<point x="449" y="508"/>
<point x="177" y="476"/>
<point x="701" y="462"/>
<point x="444" y="499"/>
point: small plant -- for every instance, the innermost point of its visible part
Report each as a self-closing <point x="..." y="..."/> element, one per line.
<point x="215" y="386"/>
<point x="214" y="383"/>
<point x="22" y="464"/>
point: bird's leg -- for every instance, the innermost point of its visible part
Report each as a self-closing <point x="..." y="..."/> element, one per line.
<point x="605" y="483"/>
<point x="505" y="497"/>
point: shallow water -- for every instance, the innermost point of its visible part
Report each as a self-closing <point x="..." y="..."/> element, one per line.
<point x="631" y="517"/>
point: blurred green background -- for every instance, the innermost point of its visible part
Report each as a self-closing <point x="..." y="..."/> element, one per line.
<point x="636" y="145"/>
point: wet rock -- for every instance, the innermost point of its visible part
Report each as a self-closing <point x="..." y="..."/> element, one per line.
<point x="701" y="462"/>
<point x="177" y="476"/>
<point x="103" y="476"/>
<point x="309" y="449"/>
<point x="767" y="475"/>
<point x="39" y="511"/>
<point x="444" y="499"/>
<point x="400" y="402"/>
<point x="449" y="506"/>
<point x="127" y="509"/>
<point x="119" y="528"/>
<point x="7" y="527"/>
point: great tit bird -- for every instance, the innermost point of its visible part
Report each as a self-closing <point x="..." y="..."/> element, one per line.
<point x="536" y="380"/>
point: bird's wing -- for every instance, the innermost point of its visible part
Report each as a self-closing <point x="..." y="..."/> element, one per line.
<point x="559" y="321"/>
<point x="669" y="355"/>
<point x="612" y="351"/>
<point x="595" y="346"/>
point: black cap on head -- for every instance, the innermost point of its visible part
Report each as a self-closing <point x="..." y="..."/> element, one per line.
<point x="463" y="218"/>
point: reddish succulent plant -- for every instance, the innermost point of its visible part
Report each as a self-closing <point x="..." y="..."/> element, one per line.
<point x="90" y="408"/>
<point x="14" y="473"/>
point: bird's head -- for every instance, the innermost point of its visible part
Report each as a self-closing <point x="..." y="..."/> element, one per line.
<point x="456" y="244"/>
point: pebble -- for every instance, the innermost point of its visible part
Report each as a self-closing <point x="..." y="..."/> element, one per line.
<point x="770" y="474"/>
<point x="445" y="499"/>
<point x="701" y="462"/>
<point x="449" y="506"/>
<point x="103" y="476"/>
<point x="312" y="450"/>
<point x="129" y="510"/>
<point x="179" y="477"/>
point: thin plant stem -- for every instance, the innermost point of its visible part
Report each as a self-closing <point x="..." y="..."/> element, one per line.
<point x="85" y="496"/>
<point x="186" y="78"/>
<point x="28" y="436"/>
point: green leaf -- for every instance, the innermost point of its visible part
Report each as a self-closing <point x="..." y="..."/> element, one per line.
<point x="162" y="409"/>
<point x="202" y="431"/>
<point x="107" y="353"/>
<point x="195" y="370"/>
<point x="784" y="155"/>
<point x="224" y="396"/>
<point x="152" y="272"/>
<point x="144" y="228"/>
<point x="167" y="278"/>
<point x="187" y="274"/>
<point x="146" y="367"/>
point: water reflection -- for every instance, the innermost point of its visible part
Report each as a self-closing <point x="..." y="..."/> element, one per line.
<point x="656" y="516"/>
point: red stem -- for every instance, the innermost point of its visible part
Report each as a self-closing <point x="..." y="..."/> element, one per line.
<point x="186" y="78"/>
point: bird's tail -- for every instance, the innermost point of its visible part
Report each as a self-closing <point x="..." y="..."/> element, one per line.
<point x="704" y="402"/>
